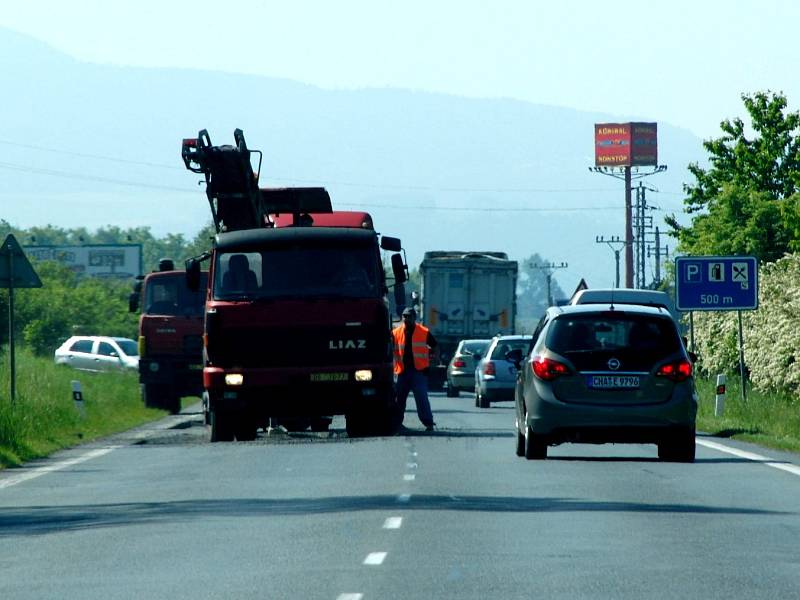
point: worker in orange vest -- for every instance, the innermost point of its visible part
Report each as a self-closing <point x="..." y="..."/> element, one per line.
<point x="412" y="347"/>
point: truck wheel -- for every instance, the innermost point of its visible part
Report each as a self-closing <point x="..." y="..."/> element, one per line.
<point x="221" y="426"/>
<point x="356" y="425"/>
<point x="154" y="395"/>
<point x="245" y="428"/>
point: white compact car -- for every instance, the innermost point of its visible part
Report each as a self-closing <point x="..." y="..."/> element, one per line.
<point x="98" y="353"/>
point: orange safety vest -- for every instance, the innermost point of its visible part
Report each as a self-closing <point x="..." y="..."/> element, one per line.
<point x="419" y="347"/>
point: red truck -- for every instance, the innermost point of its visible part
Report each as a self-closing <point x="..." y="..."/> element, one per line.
<point x="170" y="336"/>
<point x="297" y="324"/>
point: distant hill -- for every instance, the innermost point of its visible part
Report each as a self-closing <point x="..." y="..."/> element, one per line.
<point x="91" y="145"/>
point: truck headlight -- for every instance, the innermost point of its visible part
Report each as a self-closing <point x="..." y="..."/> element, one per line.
<point x="363" y="375"/>
<point x="234" y="379"/>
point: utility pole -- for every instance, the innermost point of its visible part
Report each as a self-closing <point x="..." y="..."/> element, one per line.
<point x="642" y="223"/>
<point x="656" y="249"/>
<point x="616" y="245"/>
<point x="548" y="271"/>
<point x="628" y="175"/>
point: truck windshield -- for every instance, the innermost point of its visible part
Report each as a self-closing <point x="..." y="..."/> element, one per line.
<point x="281" y="272"/>
<point x="168" y="295"/>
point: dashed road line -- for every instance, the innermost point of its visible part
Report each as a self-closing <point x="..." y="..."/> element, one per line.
<point x="409" y="477"/>
<point x="766" y="460"/>
<point x="350" y="596"/>
<point x="393" y="523"/>
<point x="411" y="465"/>
<point x="404" y="498"/>
<point x="375" y="558"/>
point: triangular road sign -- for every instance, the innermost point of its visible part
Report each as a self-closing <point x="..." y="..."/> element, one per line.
<point x="15" y="269"/>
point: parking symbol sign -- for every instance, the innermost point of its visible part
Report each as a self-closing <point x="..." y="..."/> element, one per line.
<point x="716" y="272"/>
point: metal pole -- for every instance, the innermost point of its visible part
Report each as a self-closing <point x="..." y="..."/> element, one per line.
<point x="691" y="328"/>
<point x="658" y="257"/>
<point x="741" y="359"/>
<point x="616" y="260"/>
<point x="628" y="231"/>
<point x="12" y="365"/>
<point x="549" y="294"/>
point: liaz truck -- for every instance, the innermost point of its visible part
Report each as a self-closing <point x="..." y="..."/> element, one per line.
<point x="466" y="295"/>
<point x="297" y="324"/>
<point x="170" y="336"/>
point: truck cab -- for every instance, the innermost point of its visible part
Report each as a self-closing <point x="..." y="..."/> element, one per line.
<point x="170" y="336"/>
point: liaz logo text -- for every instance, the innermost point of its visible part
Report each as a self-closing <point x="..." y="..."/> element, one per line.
<point x="347" y="344"/>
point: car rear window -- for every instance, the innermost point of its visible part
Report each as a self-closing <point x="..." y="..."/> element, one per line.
<point x="474" y="347"/>
<point x="503" y="347"/>
<point x="82" y="346"/>
<point x="580" y="333"/>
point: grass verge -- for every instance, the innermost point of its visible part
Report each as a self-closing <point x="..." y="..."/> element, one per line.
<point x="44" y="418"/>
<point x="767" y="419"/>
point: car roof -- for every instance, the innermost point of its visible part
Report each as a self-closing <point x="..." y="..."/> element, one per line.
<point x="643" y="309"/>
<point x="512" y="337"/>
<point x="477" y="340"/>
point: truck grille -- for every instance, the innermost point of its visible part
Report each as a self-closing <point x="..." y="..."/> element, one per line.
<point x="300" y="347"/>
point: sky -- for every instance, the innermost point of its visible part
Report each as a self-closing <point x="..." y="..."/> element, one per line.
<point x="682" y="62"/>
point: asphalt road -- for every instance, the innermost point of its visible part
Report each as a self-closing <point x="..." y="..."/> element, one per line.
<point x="162" y="513"/>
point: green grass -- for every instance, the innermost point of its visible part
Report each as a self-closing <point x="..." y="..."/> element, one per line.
<point x="44" y="417"/>
<point x="767" y="419"/>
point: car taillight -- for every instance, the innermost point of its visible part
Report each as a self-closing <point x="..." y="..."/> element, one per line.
<point x="676" y="371"/>
<point x="459" y="363"/>
<point x="488" y="368"/>
<point x="548" y="369"/>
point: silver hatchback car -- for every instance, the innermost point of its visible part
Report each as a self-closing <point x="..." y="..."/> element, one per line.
<point x="606" y="373"/>
<point x="98" y="353"/>
<point x="461" y="368"/>
<point x="495" y="374"/>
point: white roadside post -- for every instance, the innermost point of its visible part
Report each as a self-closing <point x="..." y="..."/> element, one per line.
<point x="77" y="396"/>
<point x="719" y="403"/>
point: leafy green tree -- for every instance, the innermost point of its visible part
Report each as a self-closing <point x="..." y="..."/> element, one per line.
<point x="747" y="198"/>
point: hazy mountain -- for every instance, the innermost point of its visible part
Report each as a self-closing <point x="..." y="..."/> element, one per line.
<point x="91" y="145"/>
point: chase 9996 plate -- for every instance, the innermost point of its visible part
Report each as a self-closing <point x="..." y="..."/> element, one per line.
<point x="613" y="382"/>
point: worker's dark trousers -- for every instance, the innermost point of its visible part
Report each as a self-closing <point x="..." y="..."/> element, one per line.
<point x="417" y="382"/>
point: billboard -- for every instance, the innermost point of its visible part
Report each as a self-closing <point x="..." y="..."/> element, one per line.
<point x="626" y="144"/>
<point x="115" y="261"/>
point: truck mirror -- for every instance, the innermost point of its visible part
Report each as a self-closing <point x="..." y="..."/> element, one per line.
<point x="392" y="244"/>
<point x="193" y="274"/>
<point x="399" y="297"/>
<point x="399" y="269"/>
<point x="133" y="302"/>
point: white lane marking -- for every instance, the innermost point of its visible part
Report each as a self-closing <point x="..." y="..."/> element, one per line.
<point x="414" y="455"/>
<point x="375" y="558"/>
<point x="412" y="465"/>
<point x="770" y="462"/>
<point x="404" y="497"/>
<point x="27" y="475"/>
<point x="409" y="477"/>
<point x="349" y="596"/>
<point x="393" y="523"/>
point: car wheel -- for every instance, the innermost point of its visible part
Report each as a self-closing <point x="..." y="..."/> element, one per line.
<point x="452" y="391"/>
<point x="520" y="441"/>
<point x="679" y="447"/>
<point x="221" y="426"/>
<point x="483" y="401"/>
<point x="535" y="448"/>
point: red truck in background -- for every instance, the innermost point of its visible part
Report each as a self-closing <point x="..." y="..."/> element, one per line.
<point x="297" y="324"/>
<point x="170" y="336"/>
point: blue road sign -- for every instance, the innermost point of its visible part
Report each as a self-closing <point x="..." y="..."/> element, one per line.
<point x="716" y="283"/>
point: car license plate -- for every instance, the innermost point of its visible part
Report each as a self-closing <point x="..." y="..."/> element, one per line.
<point x="330" y="376"/>
<point x="613" y="382"/>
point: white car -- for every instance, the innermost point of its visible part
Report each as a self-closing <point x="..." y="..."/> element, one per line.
<point x="98" y="353"/>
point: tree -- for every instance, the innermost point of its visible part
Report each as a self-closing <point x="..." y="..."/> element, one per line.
<point x="748" y="195"/>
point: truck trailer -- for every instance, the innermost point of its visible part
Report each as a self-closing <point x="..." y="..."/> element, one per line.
<point x="466" y="295"/>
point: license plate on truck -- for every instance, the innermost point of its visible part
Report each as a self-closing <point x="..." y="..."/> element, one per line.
<point x="613" y="382"/>
<point x="330" y="376"/>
